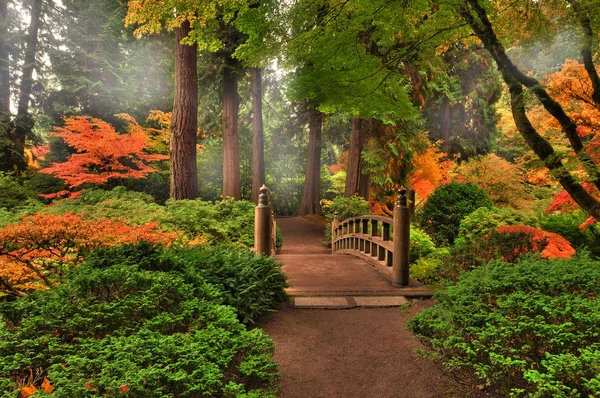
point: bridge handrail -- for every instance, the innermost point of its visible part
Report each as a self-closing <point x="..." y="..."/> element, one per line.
<point x="362" y="237"/>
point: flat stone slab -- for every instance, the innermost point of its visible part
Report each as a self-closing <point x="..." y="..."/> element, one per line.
<point x="321" y="302"/>
<point x="348" y="302"/>
<point x="380" y="301"/>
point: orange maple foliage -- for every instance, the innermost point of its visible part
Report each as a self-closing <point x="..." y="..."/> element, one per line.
<point x="35" y="251"/>
<point x="556" y="245"/>
<point x="102" y="153"/>
<point x="29" y="390"/>
<point x="431" y="168"/>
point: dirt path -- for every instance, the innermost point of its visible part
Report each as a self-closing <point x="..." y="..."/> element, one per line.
<point x="360" y="352"/>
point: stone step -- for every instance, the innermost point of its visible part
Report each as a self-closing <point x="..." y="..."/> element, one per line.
<point x="338" y="302"/>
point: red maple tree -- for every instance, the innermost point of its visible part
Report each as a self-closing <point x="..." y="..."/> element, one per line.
<point x="102" y="153"/>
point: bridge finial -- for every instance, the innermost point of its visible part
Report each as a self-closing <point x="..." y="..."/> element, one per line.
<point x="402" y="200"/>
<point x="263" y="198"/>
<point x="335" y="216"/>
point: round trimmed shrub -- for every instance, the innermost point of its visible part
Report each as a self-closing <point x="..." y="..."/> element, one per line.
<point x="447" y="206"/>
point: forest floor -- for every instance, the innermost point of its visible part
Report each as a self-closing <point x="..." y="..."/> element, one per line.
<point x="359" y="352"/>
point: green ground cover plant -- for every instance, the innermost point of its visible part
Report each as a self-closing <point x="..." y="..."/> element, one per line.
<point x="525" y="329"/>
<point x="126" y="330"/>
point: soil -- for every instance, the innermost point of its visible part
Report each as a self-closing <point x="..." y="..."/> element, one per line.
<point x="360" y="352"/>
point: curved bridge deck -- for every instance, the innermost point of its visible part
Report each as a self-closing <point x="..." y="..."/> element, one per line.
<point x="313" y="271"/>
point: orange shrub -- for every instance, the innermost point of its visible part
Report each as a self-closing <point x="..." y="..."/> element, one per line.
<point x="35" y="252"/>
<point x="556" y="245"/>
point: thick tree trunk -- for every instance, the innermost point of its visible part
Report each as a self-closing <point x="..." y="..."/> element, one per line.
<point x="515" y="81"/>
<point x="4" y="68"/>
<point x="231" y="153"/>
<point x="312" y="182"/>
<point x="445" y="124"/>
<point x="357" y="182"/>
<point x="184" y="174"/>
<point x="258" y="143"/>
<point x="24" y="121"/>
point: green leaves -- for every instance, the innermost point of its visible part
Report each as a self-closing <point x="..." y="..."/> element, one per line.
<point x="139" y="320"/>
<point x="528" y="329"/>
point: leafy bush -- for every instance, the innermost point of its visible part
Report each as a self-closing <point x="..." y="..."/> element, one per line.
<point x="485" y="220"/>
<point x="133" y="208"/>
<point x="549" y="244"/>
<point x="526" y="329"/>
<point x="252" y="284"/>
<point x="12" y="194"/>
<point x="426" y="270"/>
<point x="124" y="331"/>
<point x="567" y="225"/>
<point x="420" y="244"/>
<point x="226" y="221"/>
<point x="447" y="206"/>
<point x="507" y="246"/>
<point x="501" y="180"/>
<point x="346" y="208"/>
<point x="35" y="252"/>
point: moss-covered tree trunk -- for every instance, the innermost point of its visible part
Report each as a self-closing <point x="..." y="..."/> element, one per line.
<point x="312" y="182"/>
<point x="184" y="175"/>
<point x="258" y="143"/>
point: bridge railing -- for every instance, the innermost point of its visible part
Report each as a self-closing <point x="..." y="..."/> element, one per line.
<point x="383" y="241"/>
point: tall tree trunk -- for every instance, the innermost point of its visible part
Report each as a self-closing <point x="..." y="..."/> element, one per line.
<point x="258" y="143"/>
<point x="184" y="172"/>
<point x="24" y="121"/>
<point x="445" y="124"/>
<point x="231" y="153"/>
<point x="356" y="180"/>
<point x="312" y="182"/>
<point x="353" y="169"/>
<point x="4" y="68"/>
<point x="5" y="116"/>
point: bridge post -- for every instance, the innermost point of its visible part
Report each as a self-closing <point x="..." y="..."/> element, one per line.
<point x="400" y="271"/>
<point x="263" y="224"/>
<point x="334" y="226"/>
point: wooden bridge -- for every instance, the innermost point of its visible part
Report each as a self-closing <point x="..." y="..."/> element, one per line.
<point x="359" y="268"/>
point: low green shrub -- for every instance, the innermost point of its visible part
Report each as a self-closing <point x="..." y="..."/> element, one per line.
<point x="426" y="270"/>
<point x="251" y="284"/>
<point x="485" y="220"/>
<point x="226" y="221"/>
<point x="128" y="331"/>
<point x="134" y="208"/>
<point x="447" y="206"/>
<point x="346" y="208"/>
<point x="507" y="246"/>
<point x="12" y="193"/>
<point x="421" y="244"/>
<point x="525" y="329"/>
